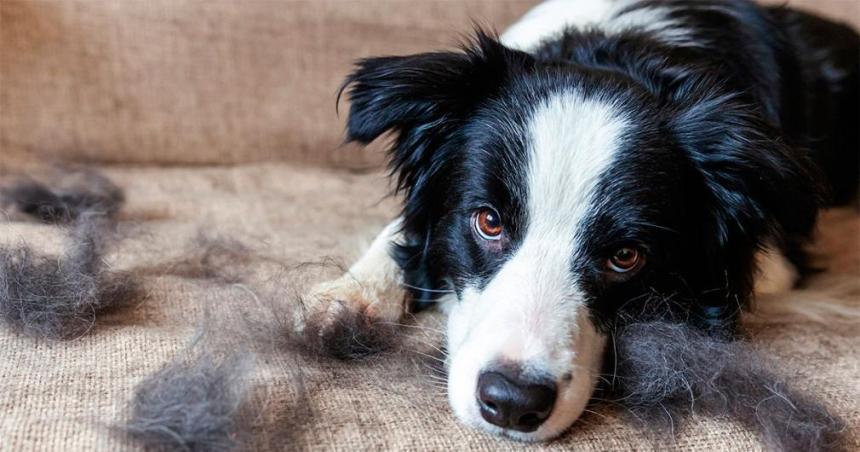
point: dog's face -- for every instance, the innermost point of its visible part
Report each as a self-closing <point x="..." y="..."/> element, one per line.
<point x="552" y="214"/>
<point x="555" y="202"/>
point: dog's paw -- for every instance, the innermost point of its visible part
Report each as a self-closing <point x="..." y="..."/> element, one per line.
<point x="776" y="274"/>
<point x="346" y="319"/>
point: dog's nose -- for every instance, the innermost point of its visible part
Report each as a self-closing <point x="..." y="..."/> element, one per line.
<point x="510" y="401"/>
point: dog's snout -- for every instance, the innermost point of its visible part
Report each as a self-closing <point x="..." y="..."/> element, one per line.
<point x="513" y="402"/>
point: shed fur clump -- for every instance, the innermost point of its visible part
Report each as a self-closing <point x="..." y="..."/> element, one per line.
<point x="351" y="335"/>
<point x="279" y="315"/>
<point x="73" y="194"/>
<point x="60" y="297"/>
<point x="194" y="403"/>
<point x="666" y="371"/>
<point x="211" y="257"/>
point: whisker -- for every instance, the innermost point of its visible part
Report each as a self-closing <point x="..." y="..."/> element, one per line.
<point x="435" y="370"/>
<point x="427" y="290"/>
<point x="436" y="377"/>
<point x="429" y="356"/>
<point x="430" y="342"/>
<point x="434" y="347"/>
<point x="595" y="413"/>
<point x="418" y="327"/>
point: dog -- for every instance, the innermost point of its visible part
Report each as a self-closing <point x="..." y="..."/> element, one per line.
<point x="600" y="162"/>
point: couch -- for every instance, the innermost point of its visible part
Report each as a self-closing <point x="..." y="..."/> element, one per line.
<point x="219" y="117"/>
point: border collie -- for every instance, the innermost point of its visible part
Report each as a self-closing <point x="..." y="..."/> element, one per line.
<point x="601" y="162"/>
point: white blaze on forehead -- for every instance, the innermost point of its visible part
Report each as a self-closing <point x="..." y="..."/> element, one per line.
<point x="533" y="312"/>
<point x="550" y="18"/>
<point x="573" y="140"/>
<point x="535" y="299"/>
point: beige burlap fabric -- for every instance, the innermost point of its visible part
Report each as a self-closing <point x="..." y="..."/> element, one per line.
<point x="145" y="85"/>
<point x="65" y="395"/>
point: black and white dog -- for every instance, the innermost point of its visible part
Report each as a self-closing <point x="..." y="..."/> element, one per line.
<point x="601" y="162"/>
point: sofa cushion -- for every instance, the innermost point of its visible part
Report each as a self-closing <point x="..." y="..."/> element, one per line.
<point x="214" y="81"/>
<point x="185" y="81"/>
<point x="68" y="395"/>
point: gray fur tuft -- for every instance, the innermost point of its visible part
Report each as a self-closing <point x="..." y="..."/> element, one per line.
<point x="192" y="404"/>
<point x="60" y="297"/>
<point x="667" y="371"/>
<point x="73" y="194"/>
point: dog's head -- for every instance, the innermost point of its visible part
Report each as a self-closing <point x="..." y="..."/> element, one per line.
<point x="557" y="200"/>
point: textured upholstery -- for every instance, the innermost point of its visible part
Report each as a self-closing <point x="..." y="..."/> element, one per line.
<point x="218" y="116"/>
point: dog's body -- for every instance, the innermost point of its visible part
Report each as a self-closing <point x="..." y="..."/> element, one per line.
<point x="603" y="162"/>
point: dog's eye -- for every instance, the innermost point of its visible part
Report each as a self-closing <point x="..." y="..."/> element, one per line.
<point x="488" y="224"/>
<point x="624" y="260"/>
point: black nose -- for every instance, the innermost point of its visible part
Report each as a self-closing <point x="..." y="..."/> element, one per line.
<point x="510" y="401"/>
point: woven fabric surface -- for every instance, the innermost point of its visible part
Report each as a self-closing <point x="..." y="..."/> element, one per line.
<point x="149" y="88"/>
<point x="67" y="395"/>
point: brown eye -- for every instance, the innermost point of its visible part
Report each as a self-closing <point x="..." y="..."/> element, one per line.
<point x="624" y="260"/>
<point x="488" y="225"/>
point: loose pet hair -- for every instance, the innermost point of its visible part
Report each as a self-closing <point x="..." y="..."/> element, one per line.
<point x="599" y="164"/>
<point x="60" y="297"/>
<point x="73" y="193"/>
<point x="203" y="399"/>
<point x="667" y="371"/>
<point x="193" y="403"/>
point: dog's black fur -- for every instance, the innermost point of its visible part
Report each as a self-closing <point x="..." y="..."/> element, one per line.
<point x="738" y="141"/>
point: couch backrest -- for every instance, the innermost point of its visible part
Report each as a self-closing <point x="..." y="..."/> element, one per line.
<point x="213" y="81"/>
<point x="204" y="81"/>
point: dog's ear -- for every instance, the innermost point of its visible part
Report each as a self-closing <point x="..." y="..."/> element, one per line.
<point x="757" y="187"/>
<point x="421" y="98"/>
<point x="762" y="186"/>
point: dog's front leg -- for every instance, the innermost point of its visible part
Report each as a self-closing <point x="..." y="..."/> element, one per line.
<point x="371" y="289"/>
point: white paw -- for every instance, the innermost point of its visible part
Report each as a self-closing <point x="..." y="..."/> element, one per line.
<point x="775" y="273"/>
<point x="329" y="301"/>
<point x="347" y="319"/>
